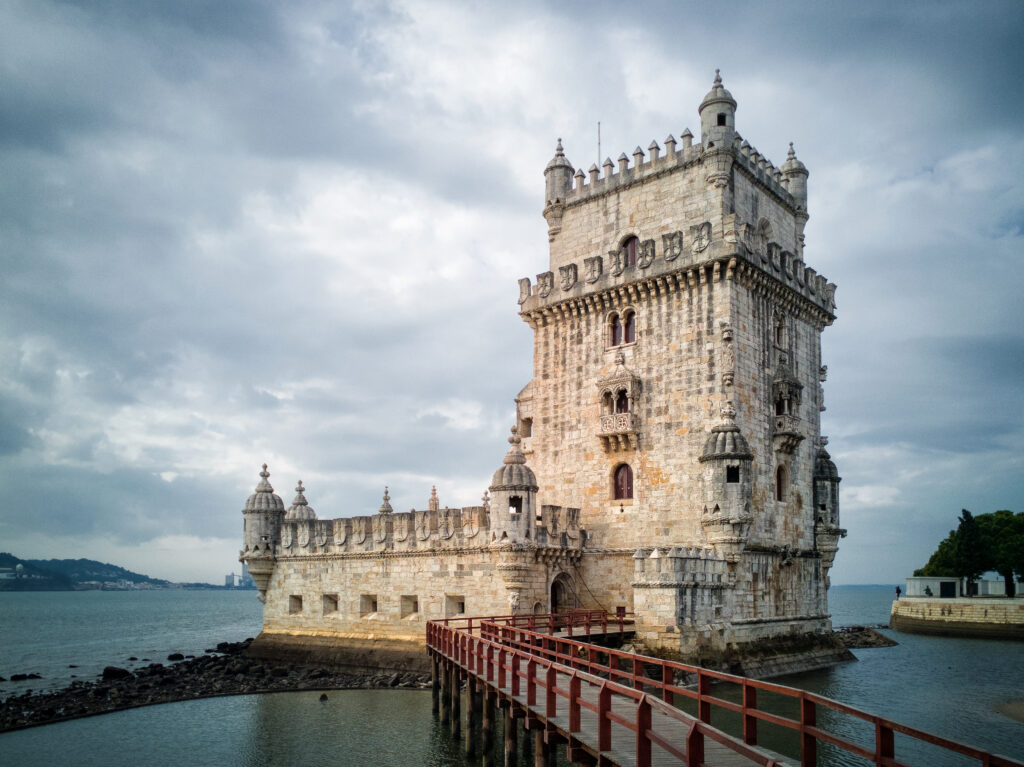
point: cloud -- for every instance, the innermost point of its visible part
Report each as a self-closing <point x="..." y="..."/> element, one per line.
<point x="237" y="233"/>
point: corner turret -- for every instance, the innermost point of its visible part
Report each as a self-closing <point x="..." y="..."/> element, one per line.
<point x="557" y="185"/>
<point x="728" y="486"/>
<point x="717" y="115"/>
<point x="513" y="497"/>
<point x="263" y="514"/>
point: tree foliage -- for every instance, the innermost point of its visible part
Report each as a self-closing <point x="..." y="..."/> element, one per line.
<point x="981" y="543"/>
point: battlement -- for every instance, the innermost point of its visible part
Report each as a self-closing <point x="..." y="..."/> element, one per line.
<point x="680" y="565"/>
<point x="429" y="531"/>
<point x="645" y="165"/>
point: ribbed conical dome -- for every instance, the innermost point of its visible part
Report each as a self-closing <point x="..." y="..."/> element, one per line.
<point x="264" y="499"/>
<point x="793" y="165"/>
<point x="300" y="508"/>
<point x="559" y="160"/>
<point x="726" y="440"/>
<point x="717" y="94"/>
<point x="824" y="468"/>
<point x="514" y="474"/>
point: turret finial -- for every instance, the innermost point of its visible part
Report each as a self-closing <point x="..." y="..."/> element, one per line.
<point x="728" y="411"/>
<point x="264" y="473"/>
<point x="718" y="77"/>
<point x="433" y="504"/>
<point x="385" y="507"/>
<point x="558" y="148"/>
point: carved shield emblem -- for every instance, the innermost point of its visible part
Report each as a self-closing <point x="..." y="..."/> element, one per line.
<point x="567" y="276"/>
<point x="303" y="532"/>
<point x="645" y="254"/>
<point x="672" y="244"/>
<point x="618" y="261"/>
<point x="524" y="289"/>
<point x="592" y="268"/>
<point x="701" y="236"/>
<point x="340" y="531"/>
<point x="545" y="284"/>
<point x="286" y="536"/>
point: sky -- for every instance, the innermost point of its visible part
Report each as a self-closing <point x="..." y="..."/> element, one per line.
<point x="242" y="232"/>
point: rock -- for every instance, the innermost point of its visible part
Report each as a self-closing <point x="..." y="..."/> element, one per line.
<point x="175" y="656"/>
<point x="132" y="658"/>
<point x="393" y="682"/>
<point x="323" y="697"/>
<point x="115" y="672"/>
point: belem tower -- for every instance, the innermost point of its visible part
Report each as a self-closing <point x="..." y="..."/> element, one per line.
<point x="667" y="456"/>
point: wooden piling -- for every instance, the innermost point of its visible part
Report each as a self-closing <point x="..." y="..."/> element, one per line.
<point x="487" y="728"/>
<point x="511" y="752"/>
<point x="540" y="749"/>
<point x="446" y="695"/>
<point x="471" y="718"/>
<point x="456" y="722"/>
<point x="435" y="684"/>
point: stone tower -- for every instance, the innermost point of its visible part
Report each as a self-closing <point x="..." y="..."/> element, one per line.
<point x="675" y="395"/>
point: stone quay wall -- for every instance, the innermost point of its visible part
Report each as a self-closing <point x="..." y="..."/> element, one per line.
<point x="997" y="618"/>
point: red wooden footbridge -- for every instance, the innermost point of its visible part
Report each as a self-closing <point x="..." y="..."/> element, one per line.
<point x="611" y="707"/>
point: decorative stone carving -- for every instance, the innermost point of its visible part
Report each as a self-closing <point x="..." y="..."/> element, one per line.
<point x="618" y="262"/>
<point x="728" y="356"/>
<point x="592" y="268"/>
<point x="700" y="236"/>
<point x="545" y="284"/>
<point x="645" y="254"/>
<point x="567" y="276"/>
<point x="672" y="244"/>
<point x="524" y="289"/>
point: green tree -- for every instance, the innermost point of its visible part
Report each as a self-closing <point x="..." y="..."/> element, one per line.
<point x="942" y="563"/>
<point x="969" y="555"/>
<point x="1002" y="534"/>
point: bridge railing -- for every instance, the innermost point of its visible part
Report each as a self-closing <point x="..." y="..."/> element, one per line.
<point x="575" y="623"/>
<point x="661" y="679"/>
<point x="528" y="675"/>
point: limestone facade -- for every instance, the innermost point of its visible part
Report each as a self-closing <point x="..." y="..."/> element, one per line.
<point x="667" y="456"/>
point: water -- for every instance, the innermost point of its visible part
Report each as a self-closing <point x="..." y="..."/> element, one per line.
<point x="946" y="686"/>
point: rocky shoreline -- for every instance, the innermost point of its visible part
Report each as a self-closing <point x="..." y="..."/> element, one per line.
<point x="860" y="637"/>
<point x="225" y="671"/>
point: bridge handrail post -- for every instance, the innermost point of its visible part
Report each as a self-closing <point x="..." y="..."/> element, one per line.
<point x="604" y="724"/>
<point x="808" y="743"/>
<point x="574" y="702"/>
<point x="550" y="700"/>
<point x="694" y="746"/>
<point x="703" y="689"/>
<point x="490" y="663"/>
<point x="531" y="682"/>
<point x="885" y="742"/>
<point x="515" y="674"/>
<point x="643" y="739"/>
<point x="667" y="679"/>
<point x="749" y="720"/>
<point x="501" y="667"/>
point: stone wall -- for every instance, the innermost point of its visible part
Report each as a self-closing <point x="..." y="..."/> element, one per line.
<point x="990" y="618"/>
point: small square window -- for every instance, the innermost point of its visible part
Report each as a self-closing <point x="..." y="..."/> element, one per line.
<point x="732" y="474"/>
<point x="294" y="604"/>
<point x="367" y="604"/>
<point x="410" y="606"/>
<point x="330" y="603"/>
<point x="454" y="604"/>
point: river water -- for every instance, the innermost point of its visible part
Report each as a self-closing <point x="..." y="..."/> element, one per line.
<point x="947" y="686"/>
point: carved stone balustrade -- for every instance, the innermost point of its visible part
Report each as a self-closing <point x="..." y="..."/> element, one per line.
<point x="787" y="433"/>
<point x="618" y="431"/>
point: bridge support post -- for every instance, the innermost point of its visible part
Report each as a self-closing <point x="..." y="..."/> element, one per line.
<point x="435" y="684"/>
<point x="471" y="717"/>
<point x="511" y="741"/>
<point x="540" y="749"/>
<point x="446" y="695"/>
<point x="456" y="702"/>
<point x="487" y="728"/>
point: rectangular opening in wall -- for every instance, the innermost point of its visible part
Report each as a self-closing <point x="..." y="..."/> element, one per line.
<point x="294" y="604"/>
<point x="732" y="474"/>
<point x="525" y="427"/>
<point x="367" y="604"/>
<point x="454" y="604"/>
<point x="410" y="606"/>
<point x="330" y="603"/>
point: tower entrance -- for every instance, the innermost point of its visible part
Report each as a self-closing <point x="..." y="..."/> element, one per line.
<point x="563" y="596"/>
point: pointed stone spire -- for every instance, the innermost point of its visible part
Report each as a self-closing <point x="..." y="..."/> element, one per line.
<point x="514" y="454"/>
<point x="434" y="503"/>
<point x="385" y="507"/>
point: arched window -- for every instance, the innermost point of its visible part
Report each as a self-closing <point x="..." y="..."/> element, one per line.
<point x="622" y="402"/>
<point x="515" y="505"/>
<point x="616" y="330"/>
<point x="630" y="328"/>
<point x="623" y="482"/>
<point x="629" y="248"/>
<point x="607" y="403"/>
<point x="780" y="483"/>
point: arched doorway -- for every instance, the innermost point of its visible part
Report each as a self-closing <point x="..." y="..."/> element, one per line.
<point x="563" y="596"/>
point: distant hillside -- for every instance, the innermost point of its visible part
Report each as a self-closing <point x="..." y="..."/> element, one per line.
<point x="78" y="570"/>
<point x="33" y="577"/>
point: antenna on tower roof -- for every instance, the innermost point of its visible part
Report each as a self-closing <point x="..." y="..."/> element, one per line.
<point x="599" y="141"/>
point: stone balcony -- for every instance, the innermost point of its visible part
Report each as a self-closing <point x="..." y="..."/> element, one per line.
<point x="787" y="434"/>
<point x="618" y="431"/>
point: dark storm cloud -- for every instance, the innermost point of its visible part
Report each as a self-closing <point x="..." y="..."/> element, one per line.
<point x="248" y="231"/>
